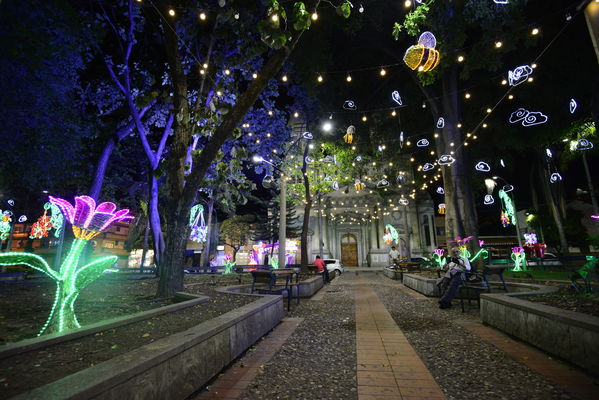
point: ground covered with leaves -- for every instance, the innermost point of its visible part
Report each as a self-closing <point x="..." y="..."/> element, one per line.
<point x="25" y="306"/>
<point x="569" y="299"/>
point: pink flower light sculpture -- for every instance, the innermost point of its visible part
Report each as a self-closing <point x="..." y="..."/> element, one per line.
<point x="89" y="220"/>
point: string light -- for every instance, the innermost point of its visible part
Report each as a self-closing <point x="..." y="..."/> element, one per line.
<point x="319" y="79"/>
<point x="383" y="72"/>
<point x="467" y="95"/>
<point x="314" y="16"/>
<point x="203" y="16"/>
<point x="460" y="58"/>
<point x="535" y="31"/>
<point x="348" y="78"/>
<point x="254" y="75"/>
<point x="498" y="44"/>
<point x="274" y="18"/>
<point x="284" y="78"/>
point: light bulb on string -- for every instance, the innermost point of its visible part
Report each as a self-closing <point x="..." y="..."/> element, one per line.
<point x="171" y="12"/>
<point x="460" y="58"/>
<point x="202" y="16"/>
<point x="535" y="31"/>
<point x="319" y="79"/>
<point x="498" y="44"/>
<point x="314" y="16"/>
<point x="348" y="78"/>
<point x="383" y="72"/>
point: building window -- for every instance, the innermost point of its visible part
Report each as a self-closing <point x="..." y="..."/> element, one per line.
<point x="118" y="229"/>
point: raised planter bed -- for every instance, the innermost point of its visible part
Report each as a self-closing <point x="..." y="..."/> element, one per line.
<point x="422" y="284"/>
<point x="174" y="366"/>
<point x="307" y="287"/>
<point x="567" y="334"/>
<point x="392" y="274"/>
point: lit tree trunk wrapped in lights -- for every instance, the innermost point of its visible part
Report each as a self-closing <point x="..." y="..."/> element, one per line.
<point x="88" y="221"/>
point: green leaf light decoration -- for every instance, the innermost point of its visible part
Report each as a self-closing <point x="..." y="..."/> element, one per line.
<point x="88" y="221"/>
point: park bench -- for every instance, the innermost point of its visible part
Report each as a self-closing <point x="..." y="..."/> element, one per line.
<point x="406" y="267"/>
<point x="265" y="282"/>
<point x="477" y="283"/>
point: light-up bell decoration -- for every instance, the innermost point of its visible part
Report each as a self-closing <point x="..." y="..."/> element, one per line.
<point x="88" y="221"/>
<point x="349" y="135"/>
<point x="358" y="185"/>
<point x="423" y="56"/>
<point x="197" y="224"/>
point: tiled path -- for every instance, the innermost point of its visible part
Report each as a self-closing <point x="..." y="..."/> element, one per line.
<point x="388" y="366"/>
<point x="235" y="379"/>
<point x="564" y="375"/>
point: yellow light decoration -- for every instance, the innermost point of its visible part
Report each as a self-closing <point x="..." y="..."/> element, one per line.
<point x="358" y="185"/>
<point x="423" y="56"/>
<point x="349" y="135"/>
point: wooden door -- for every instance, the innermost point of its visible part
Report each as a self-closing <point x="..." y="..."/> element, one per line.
<point x="349" y="250"/>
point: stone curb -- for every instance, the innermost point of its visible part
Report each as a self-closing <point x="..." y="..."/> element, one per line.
<point x="567" y="334"/>
<point x="26" y="345"/>
<point x="174" y="366"/>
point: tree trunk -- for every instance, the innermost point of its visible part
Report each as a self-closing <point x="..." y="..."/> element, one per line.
<point x="557" y="218"/>
<point x="154" y="216"/>
<point x="146" y="244"/>
<point x="182" y="189"/>
<point x="307" y="209"/>
<point x="204" y="259"/>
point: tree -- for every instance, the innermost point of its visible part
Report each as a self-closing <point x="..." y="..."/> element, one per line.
<point x="236" y="231"/>
<point x="456" y="25"/>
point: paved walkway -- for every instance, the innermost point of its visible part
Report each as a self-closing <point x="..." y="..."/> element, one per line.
<point x="388" y="366"/>
<point x="237" y="378"/>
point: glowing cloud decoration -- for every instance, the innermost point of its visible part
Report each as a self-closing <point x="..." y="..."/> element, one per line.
<point x="502" y="163"/>
<point x="307" y="136"/>
<point x="422" y="143"/>
<point x="358" y="158"/>
<point x="581" y="144"/>
<point x="427" y="167"/>
<point x="508" y="188"/>
<point x="440" y="190"/>
<point x="309" y="160"/>
<point x="446" y="159"/>
<point x="528" y="118"/>
<point x="11" y="202"/>
<point x="489" y="199"/>
<point x="268" y="181"/>
<point x="396" y="97"/>
<point x="383" y="183"/>
<point x="423" y="56"/>
<point x="519" y="258"/>
<point x="441" y="123"/>
<point x="573" y="106"/>
<point x="501" y="1"/>
<point x="482" y="167"/>
<point x="350" y="105"/>
<point x="555" y="177"/>
<point x="403" y="201"/>
<point x="88" y="220"/>
<point x="519" y="75"/>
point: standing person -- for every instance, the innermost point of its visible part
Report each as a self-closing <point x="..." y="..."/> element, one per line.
<point x="394" y="256"/>
<point x="455" y="273"/>
<point x="319" y="262"/>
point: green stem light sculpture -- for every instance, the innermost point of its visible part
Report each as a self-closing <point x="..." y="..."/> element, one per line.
<point x="88" y="221"/>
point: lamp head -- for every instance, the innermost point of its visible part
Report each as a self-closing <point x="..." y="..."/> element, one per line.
<point x="257" y="159"/>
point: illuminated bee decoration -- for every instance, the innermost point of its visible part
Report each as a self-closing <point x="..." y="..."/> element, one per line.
<point x="349" y="135"/>
<point x="423" y="56"/>
<point x="358" y="185"/>
<point x="442" y="209"/>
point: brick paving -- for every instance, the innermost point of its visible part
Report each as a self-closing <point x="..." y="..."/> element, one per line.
<point x="388" y="367"/>
<point x="572" y="380"/>
<point x="237" y="378"/>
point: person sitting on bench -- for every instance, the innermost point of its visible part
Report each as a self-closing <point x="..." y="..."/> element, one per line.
<point x="454" y="275"/>
<point x="394" y="256"/>
<point x="322" y="267"/>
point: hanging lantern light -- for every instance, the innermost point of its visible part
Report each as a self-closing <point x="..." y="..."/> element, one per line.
<point x="349" y="135"/>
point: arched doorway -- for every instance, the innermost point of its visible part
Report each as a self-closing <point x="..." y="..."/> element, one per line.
<point x="349" y="250"/>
